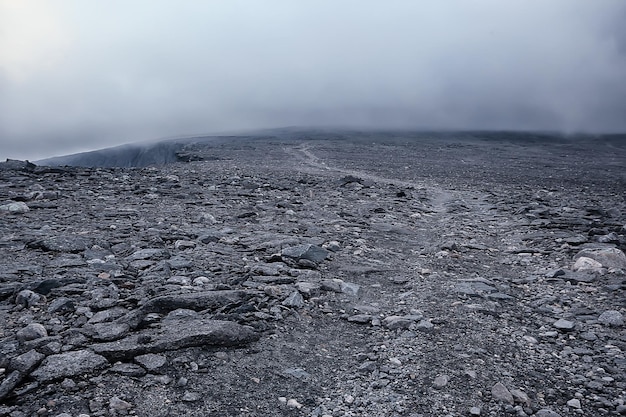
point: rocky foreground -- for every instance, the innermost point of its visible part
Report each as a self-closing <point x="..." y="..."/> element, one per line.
<point x="341" y="277"/>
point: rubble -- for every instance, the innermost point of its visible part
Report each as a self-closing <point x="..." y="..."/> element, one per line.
<point x="257" y="280"/>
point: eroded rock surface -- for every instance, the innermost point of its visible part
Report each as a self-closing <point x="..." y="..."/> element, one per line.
<point x="384" y="275"/>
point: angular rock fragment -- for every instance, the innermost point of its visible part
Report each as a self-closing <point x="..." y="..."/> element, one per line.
<point x="62" y="243"/>
<point x="69" y="365"/>
<point x="15" y="208"/>
<point x="564" y="325"/>
<point x="26" y="362"/>
<point x="151" y="361"/>
<point x="178" y="334"/>
<point x="587" y="264"/>
<point x="294" y="300"/>
<point x="308" y="252"/>
<point x="27" y="298"/>
<point x="611" y="318"/>
<point x="31" y="332"/>
<point x="198" y="301"/>
<point x="608" y="257"/>
<point x="501" y="393"/>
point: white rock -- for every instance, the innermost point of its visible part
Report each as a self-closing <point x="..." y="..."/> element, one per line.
<point x="15" y="208"/>
<point x="608" y="257"/>
<point x="292" y="403"/>
<point x="586" y="264"/>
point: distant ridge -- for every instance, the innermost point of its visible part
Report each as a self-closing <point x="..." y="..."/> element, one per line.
<point x="174" y="150"/>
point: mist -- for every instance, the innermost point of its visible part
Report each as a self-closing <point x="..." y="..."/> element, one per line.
<point x="78" y="75"/>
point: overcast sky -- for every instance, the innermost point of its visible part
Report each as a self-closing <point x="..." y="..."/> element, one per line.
<point x="78" y="75"/>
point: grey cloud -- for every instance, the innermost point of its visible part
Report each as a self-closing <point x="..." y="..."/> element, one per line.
<point x="117" y="72"/>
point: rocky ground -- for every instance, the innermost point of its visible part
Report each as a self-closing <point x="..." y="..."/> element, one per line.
<point x="363" y="276"/>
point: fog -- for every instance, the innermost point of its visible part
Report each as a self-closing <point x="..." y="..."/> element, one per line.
<point x="78" y="75"/>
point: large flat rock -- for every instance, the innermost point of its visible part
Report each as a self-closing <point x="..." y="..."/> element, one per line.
<point x="68" y="365"/>
<point x="178" y="334"/>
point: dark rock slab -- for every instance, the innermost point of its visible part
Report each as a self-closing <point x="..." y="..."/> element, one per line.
<point x="205" y="300"/>
<point x="68" y="365"/>
<point x="309" y="252"/>
<point x="178" y="334"/>
<point x="62" y="243"/>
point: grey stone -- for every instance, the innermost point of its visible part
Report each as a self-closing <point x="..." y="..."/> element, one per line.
<point x="106" y="332"/>
<point x="360" y="318"/>
<point x="118" y="404"/>
<point x="62" y="243"/>
<point x="15" y="208"/>
<point x="68" y="365"/>
<point x="578" y="277"/>
<point x="61" y="305"/>
<point x="191" y="396"/>
<point x="9" y="383"/>
<point x="565" y="325"/>
<point x="424" y="325"/>
<point x="151" y="361"/>
<point x="153" y="254"/>
<point x="333" y="285"/>
<point x="199" y="301"/>
<point x="611" y="318"/>
<point x="181" y="314"/>
<point x="308" y="289"/>
<point x="107" y="315"/>
<point x="500" y="393"/>
<point x="297" y="373"/>
<point x="608" y="257"/>
<point x="128" y="369"/>
<point x="31" y="332"/>
<point x="544" y="412"/>
<point x="178" y="334"/>
<point x="309" y="252"/>
<point x="474" y="288"/>
<point x="28" y="298"/>
<point x="441" y="381"/>
<point x="475" y="411"/>
<point x="574" y="403"/>
<point x="586" y="264"/>
<point x="367" y="366"/>
<point x="520" y="397"/>
<point x="26" y="362"/>
<point x="294" y="300"/>
<point x="350" y="288"/>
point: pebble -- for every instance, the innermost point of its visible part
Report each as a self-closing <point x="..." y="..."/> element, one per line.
<point x="191" y="396"/>
<point x="292" y="403"/>
<point x="474" y="411"/>
<point x="564" y="325"/>
<point x="574" y="403"/>
<point x="441" y="381"/>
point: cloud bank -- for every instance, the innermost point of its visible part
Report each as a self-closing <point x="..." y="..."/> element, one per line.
<point x="78" y="75"/>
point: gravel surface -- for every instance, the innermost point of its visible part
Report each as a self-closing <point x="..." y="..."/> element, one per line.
<point x="319" y="275"/>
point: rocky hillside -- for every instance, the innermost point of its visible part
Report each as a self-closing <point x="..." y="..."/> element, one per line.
<point x="358" y="276"/>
